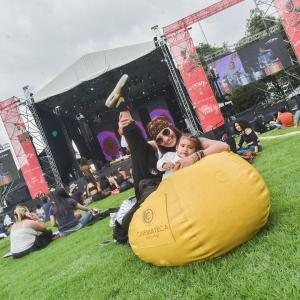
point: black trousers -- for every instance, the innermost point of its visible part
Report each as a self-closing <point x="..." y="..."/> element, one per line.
<point x="143" y="157"/>
<point x="145" y="175"/>
<point x="41" y="241"/>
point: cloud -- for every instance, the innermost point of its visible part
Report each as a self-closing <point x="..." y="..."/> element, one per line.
<point x="39" y="39"/>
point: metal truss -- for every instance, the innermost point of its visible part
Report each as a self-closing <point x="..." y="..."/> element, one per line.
<point x="267" y="8"/>
<point x="184" y="101"/>
<point x="200" y="15"/>
<point x="36" y="131"/>
<point x="246" y="40"/>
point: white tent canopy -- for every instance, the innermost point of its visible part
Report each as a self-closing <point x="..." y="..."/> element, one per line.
<point x="91" y="66"/>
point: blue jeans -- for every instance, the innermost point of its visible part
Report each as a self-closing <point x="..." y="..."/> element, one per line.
<point x="86" y="218"/>
<point x="243" y="150"/>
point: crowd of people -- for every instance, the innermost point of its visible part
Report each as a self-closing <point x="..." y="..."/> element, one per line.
<point x="28" y="230"/>
<point x="168" y="150"/>
<point x="248" y="135"/>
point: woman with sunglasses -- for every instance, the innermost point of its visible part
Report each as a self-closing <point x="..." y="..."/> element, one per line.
<point x="144" y="155"/>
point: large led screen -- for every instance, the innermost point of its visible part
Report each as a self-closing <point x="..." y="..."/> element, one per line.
<point x="254" y="62"/>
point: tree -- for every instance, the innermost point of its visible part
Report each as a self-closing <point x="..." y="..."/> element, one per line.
<point x="256" y="23"/>
<point x="204" y="49"/>
<point x="249" y="95"/>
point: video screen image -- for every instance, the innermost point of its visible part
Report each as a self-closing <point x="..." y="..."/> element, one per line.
<point x="254" y="62"/>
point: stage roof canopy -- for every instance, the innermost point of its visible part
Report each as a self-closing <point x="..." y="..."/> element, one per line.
<point x="91" y="66"/>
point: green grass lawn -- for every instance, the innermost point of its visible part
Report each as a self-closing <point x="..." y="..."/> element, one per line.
<point x="281" y="131"/>
<point x="79" y="267"/>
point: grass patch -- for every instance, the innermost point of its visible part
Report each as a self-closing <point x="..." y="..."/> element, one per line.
<point x="79" y="267"/>
<point x="281" y="131"/>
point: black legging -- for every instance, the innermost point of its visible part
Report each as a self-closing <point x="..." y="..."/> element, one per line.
<point x="145" y="175"/>
<point x="143" y="157"/>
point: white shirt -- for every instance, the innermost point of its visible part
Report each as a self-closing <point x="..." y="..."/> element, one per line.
<point x="22" y="239"/>
<point x="168" y="157"/>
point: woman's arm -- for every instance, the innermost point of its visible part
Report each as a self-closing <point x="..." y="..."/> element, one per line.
<point x="82" y="207"/>
<point x="37" y="225"/>
<point x="98" y="186"/>
<point x="114" y="181"/>
<point x="53" y="221"/>
<point x="213" y="146"/>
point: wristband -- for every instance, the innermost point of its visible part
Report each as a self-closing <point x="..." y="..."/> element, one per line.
<point x="200" y="154"/>
<point x="195" y="157"/>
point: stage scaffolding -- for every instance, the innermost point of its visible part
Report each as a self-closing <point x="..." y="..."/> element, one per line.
<point x="184" y="102"/>
<point x="265" y="8"/>
<point x="35" y="129"/>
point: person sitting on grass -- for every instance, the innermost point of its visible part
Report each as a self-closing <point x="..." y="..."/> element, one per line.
<point x="93" y="189"/>
<point x="122" y="180"/>
<point x="285" y="118"/>
<point x="187" y="145"/>
<point x="75" y="193"/>
<point x="248" y="136"/>
<point x="63" y="216"/>
<point x="273" y="124"/>
<point x="24" y="236"/>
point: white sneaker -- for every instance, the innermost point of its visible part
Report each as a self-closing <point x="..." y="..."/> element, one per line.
<point x="116" y="93"/>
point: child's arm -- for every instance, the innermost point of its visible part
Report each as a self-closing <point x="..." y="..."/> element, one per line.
<point x="164" y="164"/>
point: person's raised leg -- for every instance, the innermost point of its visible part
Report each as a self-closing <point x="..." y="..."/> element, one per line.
<point x="143" y="155"/>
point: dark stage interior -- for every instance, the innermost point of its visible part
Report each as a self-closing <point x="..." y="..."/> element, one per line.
<point x="85" y="116"/>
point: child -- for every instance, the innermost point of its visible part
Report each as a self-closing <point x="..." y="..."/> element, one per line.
<point x="186" y="146"/>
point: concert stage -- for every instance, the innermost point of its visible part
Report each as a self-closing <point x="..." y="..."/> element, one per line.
<point x="80" y="93"/>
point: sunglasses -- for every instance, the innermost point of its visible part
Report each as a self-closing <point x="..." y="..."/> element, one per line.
<point x="165" y="132"/>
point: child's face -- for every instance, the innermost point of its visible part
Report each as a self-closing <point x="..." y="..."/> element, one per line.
<point x="185" y="147"/>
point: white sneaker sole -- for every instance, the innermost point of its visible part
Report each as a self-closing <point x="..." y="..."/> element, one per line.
<point x="114" y="95"/>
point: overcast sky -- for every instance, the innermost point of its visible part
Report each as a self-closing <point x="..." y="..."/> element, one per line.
<point x="41" y="38"/>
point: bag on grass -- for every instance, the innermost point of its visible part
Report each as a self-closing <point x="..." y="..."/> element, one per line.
<point x="129" y="207"/>
<point x="119" y="233"/>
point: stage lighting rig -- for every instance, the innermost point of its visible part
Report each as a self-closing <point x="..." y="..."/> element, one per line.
<point x="79" y="117"/>
<point x="57" y="110"/>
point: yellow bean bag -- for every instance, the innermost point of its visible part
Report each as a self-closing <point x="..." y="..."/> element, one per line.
<point x="201" y="212"/>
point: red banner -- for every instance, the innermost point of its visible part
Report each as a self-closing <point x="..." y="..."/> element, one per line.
<point x="195" y="80"/>
<point x="289" y="12"/>
<point x="23" y="148"/>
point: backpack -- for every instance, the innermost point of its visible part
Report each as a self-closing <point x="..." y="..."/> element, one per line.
<point x="129" y="207"/>
<point x="120" y="234"/>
